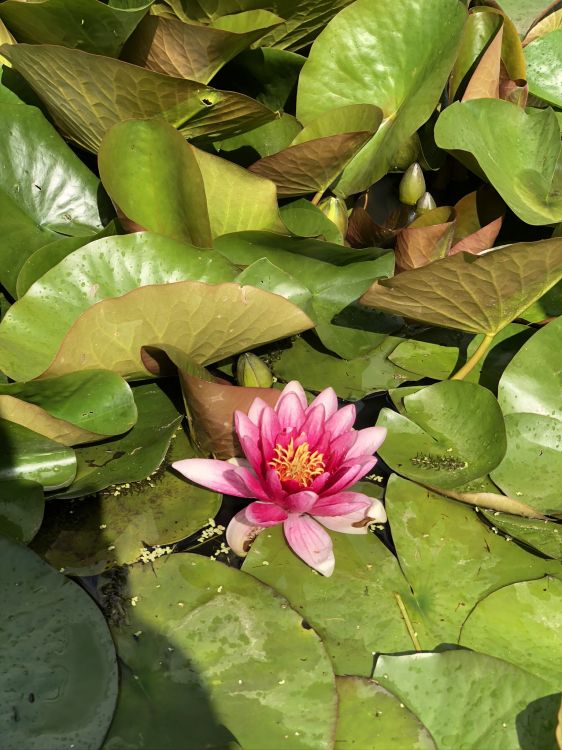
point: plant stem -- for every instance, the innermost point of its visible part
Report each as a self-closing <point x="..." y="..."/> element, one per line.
<point x="472" y="361"/>
<point x="409" y="627"/>
<point x="317" y="198"/>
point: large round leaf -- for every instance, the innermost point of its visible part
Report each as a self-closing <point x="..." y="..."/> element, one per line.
<point x="544" y="536"/>
<point x="93" y="534"/>
<point x="472" y="701"/>
<point x="85" y="24"/>
<point x="450" y="558"/>
<point x="76" y="408"/>
<point x="44" y="190"/>
<point x="532" y="466"/>
<point x="520" y="624"/>
<point x="352" y="62"/>
<point x="371" y="718"/>
<point x="209" y="645"/>
<point x="478" y="294"/>
<point x="21" y="509"/>
<point x="109" y="267"/>
<point x="524" y="387"/>
<point x="518" y="150"/>
<point x="74" y="85"/>
<point x="448" y="434"/>
<point x="366" y="574"/>
<point x="58" y="675"/>
<point x="544" y="60"/>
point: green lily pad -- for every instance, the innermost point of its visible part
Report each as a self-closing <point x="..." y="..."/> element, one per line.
<point x="506" y="706"/>
<point x="366" y="574"/>
<point x="21" y="509"/>
<point x="58" y="672"/>
<point x="268" y="139"/>
<point x="353" y="118"/>
<point x="131" y="458"/>
<point x="90" y="535"/>
<point x="544" y="536"/>
<point x="351" y="378"/>
<point x="45" y="190"/>
<point x="161" y="43"/>
<point x="351" y="62"/>
<point x="450" y="559"/>
<point x="305" y="220"/>
<point x="532" y="466"/>
<point x="210" y="645"/>
<point x="438" y="442"/>
<point x="371" y="718"/>
<point x="74" y="85"/>
<point x="520" y="624"/>
<point x="87" y="276"/>
<point x="544" y="59"/>
<point x="84" y="24"/>
<point x="524" y="387"/>
<point x="76" y="408"/>
<point x="518" y="150"/>
<point x="523" y="12"/>
<point x="28" y="455"/>
<point x="474" y="293"/>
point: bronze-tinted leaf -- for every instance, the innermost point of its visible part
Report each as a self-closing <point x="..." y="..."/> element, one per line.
<point x="426" y="239"/>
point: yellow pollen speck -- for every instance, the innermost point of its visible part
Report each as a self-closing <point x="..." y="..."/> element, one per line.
<point x="298" y="464"/>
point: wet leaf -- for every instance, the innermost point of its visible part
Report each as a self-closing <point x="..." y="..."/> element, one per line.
<point x="82" y="24"/>
<point x="58" y="670"/>
<point x="74" y="85"/>
<point x="214" y="647"/>
<point x="21" y="509"/>
<point x="544" y="58"/>
<point x="405" y="82"/>
<point x="80" y="407"/>
<point x="478" y="294"/>
<point x="544" y="536"/>
<point x="426" y="239"/>
<point x="478" y="220"/>
<point x="518" y="151"/>
<point x="514" y="708"/>
<point x="436" y="442"/>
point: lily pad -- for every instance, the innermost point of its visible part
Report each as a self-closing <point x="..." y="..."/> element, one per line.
<point x="450" y="559"/>
<point x="544" y="536"/>
<point x="478" y="294"/>
<point x="437" y="442"/>
<point x="532" y="466"/>
<point x="519" y="624"/>
<point x="210" y="645"/>
<point x="109" y="267"/>
<point x="131" y="458"/>
<point x="45" y="190"/>
<point x="514" y="709"/>
<point x="351" y="62"/>
<point x="74" y="85"/>
<point x="58" y="669"/>
<point x="366" y="573"/>
<point x="371" y="718"/>
<point x="544" y="59"/>
<point x="28" y="455"/>
<point x="80" y="407"/>
<point x="90" y="535"/>
<point x="518" y="150"/>
<point x="83" y="24"/>
<point x="21" y="509"/>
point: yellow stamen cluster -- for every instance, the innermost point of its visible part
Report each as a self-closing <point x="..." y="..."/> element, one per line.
<point x="298" y="463"/>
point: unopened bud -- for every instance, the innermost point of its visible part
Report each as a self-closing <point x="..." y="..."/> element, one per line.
<point x="252" y="372"/>
<point x="425" y="204"/>
<point x="412" y="185"/>
<point x="336" y="210"/>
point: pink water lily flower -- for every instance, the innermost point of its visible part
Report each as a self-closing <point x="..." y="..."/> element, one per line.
<point x="301" y="460"/>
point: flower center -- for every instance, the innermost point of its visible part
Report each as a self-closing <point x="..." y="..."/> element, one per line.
<point x="298" y="464"/>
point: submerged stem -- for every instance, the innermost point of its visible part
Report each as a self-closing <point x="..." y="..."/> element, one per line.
<point x="472" y="361"/>
<point x="405" y="616"/>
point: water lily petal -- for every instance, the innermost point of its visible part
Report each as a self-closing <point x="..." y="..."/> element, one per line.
<point x="219" y="476"/>
<point x="240" y="533"/>
<point x="249" y="437"/>
<point x="348" y="474"/>
<point x="367" y="442"/>
<point x="341" y="504"/>
<point x="265" y="514"/>
<point x="341" y="421"/>
<point x="257" y="408"/>
<point x="296" y="388"/>
<point x="310" y="542"/>
<point x="301" y="502"/>
<point x="290" y="412"/>
<point x="377" y="511"/>
<point x="328" y="399"/>
<point x="314" y="425"/>
<point x="354" y="523"/>
<point x="340" y="447"/>
<point x="269" y="429"/>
